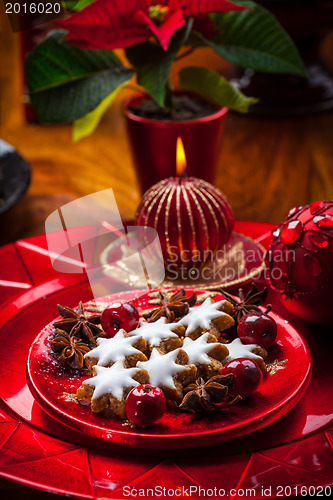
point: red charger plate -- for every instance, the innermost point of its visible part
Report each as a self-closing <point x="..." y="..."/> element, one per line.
<point x="53" y="388"/>
<point x="239" y="261"/>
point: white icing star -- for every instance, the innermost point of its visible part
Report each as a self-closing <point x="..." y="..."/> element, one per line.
<point x="112" y="380"/>
<point x="161" y="368"/>
<point x="154" y="333"/>
<point x="201" y="316"/>
<point x="239" y="350"/>
<point x="197" y="349"/>
<point x="113" y="349"/>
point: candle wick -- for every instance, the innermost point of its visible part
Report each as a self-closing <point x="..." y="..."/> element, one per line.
<point x="182" y="177"/>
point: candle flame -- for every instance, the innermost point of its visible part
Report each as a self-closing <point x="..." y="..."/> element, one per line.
<point x="180" y="158"/>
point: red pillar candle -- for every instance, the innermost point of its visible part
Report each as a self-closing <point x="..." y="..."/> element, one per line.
<point x="192" y="217"/>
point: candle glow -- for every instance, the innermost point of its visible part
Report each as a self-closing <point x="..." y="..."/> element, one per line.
<point x="180" y="158"/>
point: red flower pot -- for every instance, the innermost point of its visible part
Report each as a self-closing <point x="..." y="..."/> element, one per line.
<point x="153" y="144"/>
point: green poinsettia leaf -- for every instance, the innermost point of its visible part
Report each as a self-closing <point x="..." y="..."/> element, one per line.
<point x="253" y="38"/>
<point x="66" y="83"/>
<point x="86" y="125"/>
<point x="54" y="62"/>
<point x="66" y="103"/>
<point x="74" y="5"/>
<point x="214" y="88"/>
<point x="196" y="40"/>
<point x="153" y="64"/>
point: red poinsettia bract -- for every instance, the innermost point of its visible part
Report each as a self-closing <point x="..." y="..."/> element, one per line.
<point x="115" y="24"/>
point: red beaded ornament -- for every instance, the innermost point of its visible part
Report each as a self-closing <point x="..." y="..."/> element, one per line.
<point x="193" y="219"/>
<point x="300" y="261"/>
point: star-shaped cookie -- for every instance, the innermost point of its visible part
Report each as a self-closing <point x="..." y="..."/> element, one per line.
<point x="121" y="347"/>
<point x="108" y="388"/>
<point x="171" y="372"/>
<point x="253" y="351"/>
<point x="206" y="354"/>
<point x="210" y="316"/>
<point x="165" y="336"/>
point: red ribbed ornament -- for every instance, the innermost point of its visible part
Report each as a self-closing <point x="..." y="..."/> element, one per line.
<point x="193" y="219"/>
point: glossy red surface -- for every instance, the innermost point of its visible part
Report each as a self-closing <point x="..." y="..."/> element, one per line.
<point x="295" y="451"/>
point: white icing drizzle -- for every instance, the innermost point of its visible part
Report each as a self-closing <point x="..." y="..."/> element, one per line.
<point x="112" y="380"/>
<point x="113" y="349"/>
<point x="197" y="349"/>
<point x="202" y="315"/>
<point x="161" y="368"/>
<point x="239" y="350"/>
<point x="154" y="333"/>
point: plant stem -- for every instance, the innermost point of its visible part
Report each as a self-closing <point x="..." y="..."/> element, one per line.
<point x="184" y="54"/>
<point x="169" y="96"/>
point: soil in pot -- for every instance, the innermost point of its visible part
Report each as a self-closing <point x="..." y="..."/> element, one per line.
<point x="183" y="107"/>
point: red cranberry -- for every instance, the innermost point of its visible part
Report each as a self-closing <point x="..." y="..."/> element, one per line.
<point x="247" y="376"/>
<point x="257" y="328"/>
<point x="119" y="314"/>
<point x="145" y="405"/>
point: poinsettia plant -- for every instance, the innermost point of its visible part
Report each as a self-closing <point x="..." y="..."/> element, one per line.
<point x="74" y="74"/>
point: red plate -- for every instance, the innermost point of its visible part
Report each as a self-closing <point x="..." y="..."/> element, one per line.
<point x="282" y="388"/>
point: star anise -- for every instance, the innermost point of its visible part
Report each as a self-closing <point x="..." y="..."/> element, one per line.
<point x="172" y="307"/>
<point x="69" y="349"/>
<point x="78" y="324"/>
<point x="250" y="302"/>
<point x="209" y="396"/>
